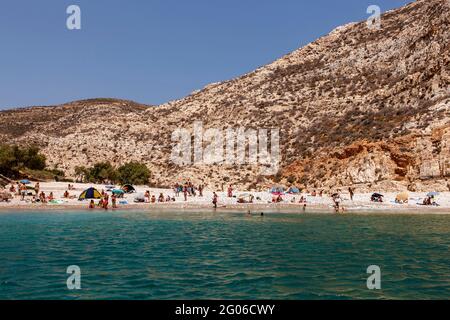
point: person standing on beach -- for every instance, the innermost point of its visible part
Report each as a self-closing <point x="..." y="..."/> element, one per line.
<point x="189" y="188"/>
<point x="230" y="191"/>
<point x="185" y="192"/>
<point x="42" y="197"/>
<point x="105" y="201"/>
<point x="352" y="192"/>
<point x="36" y="188"/>
<point x="337" y="201"/>
<point x="23" y="191"/>
<point x="214" y="201"/>
<point x="114" y="201"/>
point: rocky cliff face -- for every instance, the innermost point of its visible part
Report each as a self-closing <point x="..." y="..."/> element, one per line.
<point x="359" y="106"/>
<point x="414" y="162"/>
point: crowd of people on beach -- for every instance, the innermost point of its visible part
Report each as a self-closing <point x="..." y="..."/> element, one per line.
<point x="103" y="203"/>
<point x="185" y="190"/>
<point x="188" y="190"/>
<point x="35" y="193"/>
<point x="182" y="192"/>
<point x="161" y="198"/>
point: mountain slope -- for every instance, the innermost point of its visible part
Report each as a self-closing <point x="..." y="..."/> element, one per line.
<point x="358" y="106"/>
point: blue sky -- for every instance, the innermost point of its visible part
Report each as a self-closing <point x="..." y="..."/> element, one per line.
<point x="152" y="51"/>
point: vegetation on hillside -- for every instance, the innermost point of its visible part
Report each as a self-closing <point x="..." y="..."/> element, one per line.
<point x="27" y="162"/>
<point x="15" y="160"/>
<point x="132" y="172"/>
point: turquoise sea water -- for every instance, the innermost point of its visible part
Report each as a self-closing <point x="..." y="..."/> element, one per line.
<point x="187" y="255"/>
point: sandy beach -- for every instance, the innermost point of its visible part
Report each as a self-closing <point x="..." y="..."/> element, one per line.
<point x="263" y="201"/>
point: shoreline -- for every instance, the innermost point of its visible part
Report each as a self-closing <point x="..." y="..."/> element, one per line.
<point x="241" y="208"/>
<point x="315" y="204"/>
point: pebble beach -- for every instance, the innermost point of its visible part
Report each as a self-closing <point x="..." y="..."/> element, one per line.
<point x="262" y="201"/>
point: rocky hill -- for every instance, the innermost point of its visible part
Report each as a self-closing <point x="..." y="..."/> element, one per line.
<point x="360" y="106"/>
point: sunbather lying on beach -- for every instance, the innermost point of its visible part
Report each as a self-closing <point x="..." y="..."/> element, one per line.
<point x="277" y="199"/>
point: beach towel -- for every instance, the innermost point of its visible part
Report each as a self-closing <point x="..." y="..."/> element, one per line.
<point x="56" y="201"/>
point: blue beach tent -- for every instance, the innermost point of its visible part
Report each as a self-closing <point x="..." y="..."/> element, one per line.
<point x="294" y="190"/>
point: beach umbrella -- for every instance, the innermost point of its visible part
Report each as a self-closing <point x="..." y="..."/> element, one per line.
<point x="90" y="193"/>
<point x="118" y="191"/>
<point x="245" y="196"/>
<point x="402" y="197"/>
<point x="25" y="181"/>
<point x="277" y="190"/>
<point x="140" y="197"/>
<point x="128" y="188"/>
<point x="433" y="194"/>
<point x="377" y="195"/>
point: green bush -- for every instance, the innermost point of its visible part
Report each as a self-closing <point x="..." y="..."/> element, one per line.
<point x="13" y="159"/>
<point x="32" y="159"/>
<point x="99" y="173"/>
<point x="133" y="173"/>
<point x="8" y="161"/>
<point x="130" y="173"/>
<point x="104" y="171"/>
